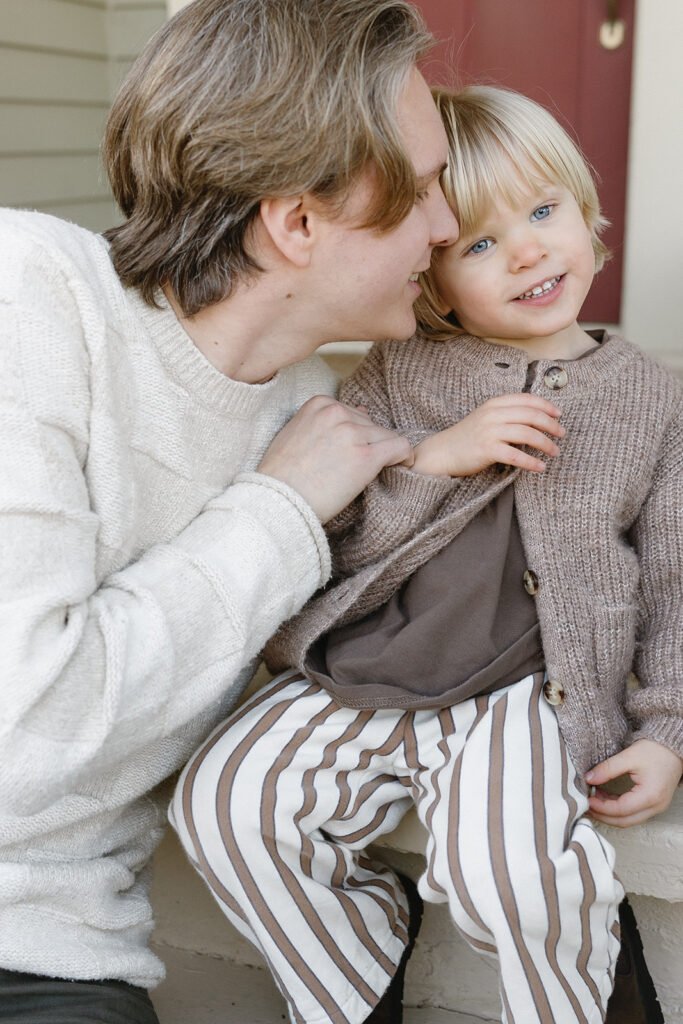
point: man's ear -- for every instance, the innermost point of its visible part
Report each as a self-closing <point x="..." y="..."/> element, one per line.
<point x="288" y="223"/>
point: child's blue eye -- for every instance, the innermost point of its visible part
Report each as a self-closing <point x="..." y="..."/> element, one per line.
<point x="481" y="246"/>
<point x="541" y="213"/>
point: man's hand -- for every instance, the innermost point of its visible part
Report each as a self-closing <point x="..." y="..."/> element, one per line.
<point x="655" y="771"/>
<point x="489" y="435"/>
<point x="329" y="452"/>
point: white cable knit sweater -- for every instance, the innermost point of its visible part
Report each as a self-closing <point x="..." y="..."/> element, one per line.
<point x="143" y="566"/>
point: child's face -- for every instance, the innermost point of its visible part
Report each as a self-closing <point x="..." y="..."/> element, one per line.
<point x="525" y="273"/>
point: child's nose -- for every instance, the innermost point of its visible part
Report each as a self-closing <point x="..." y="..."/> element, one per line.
<point x="526" y="251"/>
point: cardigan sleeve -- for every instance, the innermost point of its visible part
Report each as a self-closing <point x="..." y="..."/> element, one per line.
<point x="399" y="502"/>
<point x="656" y="709"/>
<point x="93" y="669"/>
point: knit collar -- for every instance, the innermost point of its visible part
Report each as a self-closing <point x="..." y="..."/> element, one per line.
<point x="192" y="370"/>
<point x="483" y="357"/>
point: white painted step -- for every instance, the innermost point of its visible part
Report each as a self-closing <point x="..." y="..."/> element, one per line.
<point x="201" y="989"/>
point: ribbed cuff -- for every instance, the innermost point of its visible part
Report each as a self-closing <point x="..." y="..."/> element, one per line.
<point x="304" y="510"/>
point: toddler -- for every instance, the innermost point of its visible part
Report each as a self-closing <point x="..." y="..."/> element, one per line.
<point x="473" y="652"/>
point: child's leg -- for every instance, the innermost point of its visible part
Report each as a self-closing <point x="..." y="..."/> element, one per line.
<point x="526" y="876"/>
<point x="272" y="811"/>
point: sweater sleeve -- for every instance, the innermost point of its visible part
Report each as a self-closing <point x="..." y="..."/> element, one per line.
<point x="95" y="669"/>
<point x="656" y="709"/>
<point x="399" y="501"/>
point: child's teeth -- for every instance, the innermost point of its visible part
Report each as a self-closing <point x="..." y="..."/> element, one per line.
<point x="540" y="288"/>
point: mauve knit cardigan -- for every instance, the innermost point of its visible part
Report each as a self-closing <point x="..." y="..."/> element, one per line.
<point x="602" y="528"/>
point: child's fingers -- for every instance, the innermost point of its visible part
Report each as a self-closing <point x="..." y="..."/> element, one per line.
<point x="627" y="822"/>
<point x="514" y="410"/>
<point x="623" y="811"/>
<point x="611" y="768"/>
<point x="524" y="398"/>
<point x="510" y="456"/>
<point x="531" y="417"/>
<point x="519" y="433"/>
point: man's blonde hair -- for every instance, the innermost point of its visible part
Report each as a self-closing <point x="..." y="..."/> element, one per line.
<point x="235" y="101"/>
<point x="491" y="133"/>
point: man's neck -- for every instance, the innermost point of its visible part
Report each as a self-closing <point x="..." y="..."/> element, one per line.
<point x="252" y="334"/>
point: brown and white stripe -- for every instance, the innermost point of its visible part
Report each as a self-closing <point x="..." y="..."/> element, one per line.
<point x="278" y="806"/>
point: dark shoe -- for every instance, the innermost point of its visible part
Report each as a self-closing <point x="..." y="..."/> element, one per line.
<point x="633" y="1000"/>
<point x="389" y="1010"/>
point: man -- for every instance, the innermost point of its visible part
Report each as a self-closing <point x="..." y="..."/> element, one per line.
<point x="277" y="163"/>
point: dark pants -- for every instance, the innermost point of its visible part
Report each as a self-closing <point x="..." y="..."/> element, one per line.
<point x="34" y="999"/>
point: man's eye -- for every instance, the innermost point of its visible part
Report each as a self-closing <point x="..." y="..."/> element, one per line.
<point x="481" y="246"/>
<point x="541" y="213"/>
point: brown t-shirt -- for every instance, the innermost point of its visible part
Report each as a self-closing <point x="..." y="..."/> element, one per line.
<point x="462" y="625"/>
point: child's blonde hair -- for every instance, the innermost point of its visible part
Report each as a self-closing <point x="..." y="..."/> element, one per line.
<point x="491" y="131"/>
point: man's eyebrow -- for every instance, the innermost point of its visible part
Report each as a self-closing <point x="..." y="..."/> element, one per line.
<point x="424" y="179"/>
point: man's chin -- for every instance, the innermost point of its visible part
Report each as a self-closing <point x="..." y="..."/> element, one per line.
<point x="407" y="330"/>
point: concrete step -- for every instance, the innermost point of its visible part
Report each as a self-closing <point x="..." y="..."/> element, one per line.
<point x="201" y="989"/>
<point x="193" y="934"/>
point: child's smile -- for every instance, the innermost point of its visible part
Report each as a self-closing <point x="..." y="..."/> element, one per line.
<point x="523" y="276"/>
<point x="540" y="291"/>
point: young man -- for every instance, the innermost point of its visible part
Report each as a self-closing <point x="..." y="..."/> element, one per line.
<point x="277" y="163"/>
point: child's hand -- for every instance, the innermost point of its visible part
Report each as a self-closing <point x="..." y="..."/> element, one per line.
<point x="655" y="771"/>
<point x="490" y="434"/>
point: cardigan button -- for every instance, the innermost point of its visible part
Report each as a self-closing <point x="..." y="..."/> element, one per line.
<point x="553" y="693"/>
<point x="555" y="378"/>
<point x="530" y="582"/>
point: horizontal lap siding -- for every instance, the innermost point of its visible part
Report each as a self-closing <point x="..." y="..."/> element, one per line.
<point x="59" y="63"/>
<point x="130" y="24"/>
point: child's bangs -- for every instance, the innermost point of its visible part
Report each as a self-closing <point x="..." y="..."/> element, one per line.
<point x="492" y="171"/>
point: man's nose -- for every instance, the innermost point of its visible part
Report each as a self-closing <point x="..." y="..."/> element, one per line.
<point x="444" y="225"/>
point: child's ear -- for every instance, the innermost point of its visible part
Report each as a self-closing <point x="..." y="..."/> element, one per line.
<point x="288" y="224"/>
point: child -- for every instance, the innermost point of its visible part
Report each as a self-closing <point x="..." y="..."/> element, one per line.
<point x="490" y="602"/>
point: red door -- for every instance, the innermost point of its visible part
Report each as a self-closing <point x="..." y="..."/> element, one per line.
<point x="552" y="52"/>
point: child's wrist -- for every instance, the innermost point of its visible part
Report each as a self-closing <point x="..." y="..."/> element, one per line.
<point x="428" y="459"/>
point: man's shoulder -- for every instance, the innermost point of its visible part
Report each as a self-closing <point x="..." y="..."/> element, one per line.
<point x="32" y="229"/>
<point x="37" y="247"/>
<point x="312" y="376"/>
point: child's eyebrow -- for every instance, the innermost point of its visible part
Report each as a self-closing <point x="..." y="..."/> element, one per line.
<point x="424" y="179"/>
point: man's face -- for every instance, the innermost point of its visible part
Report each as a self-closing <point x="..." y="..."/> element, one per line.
<point x="368" y="279"/>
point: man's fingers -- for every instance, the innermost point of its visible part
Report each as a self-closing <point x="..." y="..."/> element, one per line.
<point x="392" y="450"/>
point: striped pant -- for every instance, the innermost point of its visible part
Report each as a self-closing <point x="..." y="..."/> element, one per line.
<point x="277" y="807"/>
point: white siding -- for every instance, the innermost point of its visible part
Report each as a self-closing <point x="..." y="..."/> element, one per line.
<point x="130" y="23"/>
<point x="60" y="61"/>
